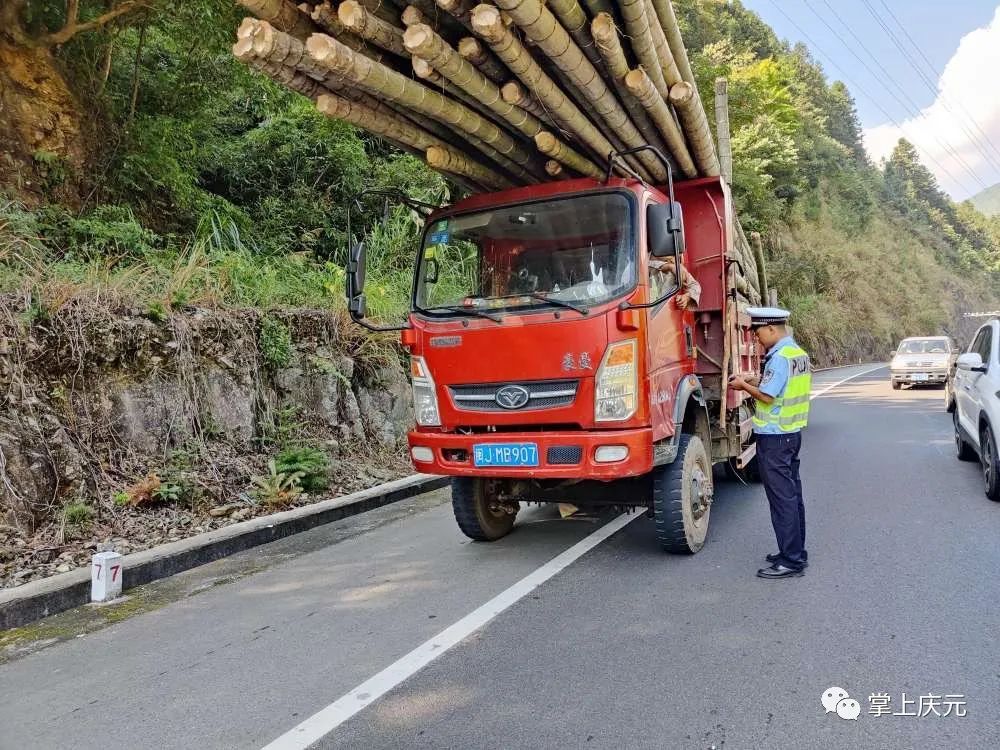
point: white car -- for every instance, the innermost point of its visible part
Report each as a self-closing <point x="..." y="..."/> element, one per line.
<point x="976" y="386"/>
<point x="922" y="360"/>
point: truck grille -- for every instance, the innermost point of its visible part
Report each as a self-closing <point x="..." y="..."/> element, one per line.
<point x="537" y="394"/>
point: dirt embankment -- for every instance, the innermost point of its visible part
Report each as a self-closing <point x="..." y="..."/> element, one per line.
<point x="138" y="428"/>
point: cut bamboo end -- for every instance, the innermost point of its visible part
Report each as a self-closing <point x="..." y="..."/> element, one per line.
<point x="412" y="15"/>
<point x="425" y="70"/>
<point x="358" y="19"/>
<point x="641" y="87"/>
<point x="243" y="48"/>
<point x="245" y="28"/>
<point x="283" y="15"/>
<point x="446" y="159"/>
<point x="552" y="147"/>
<point x="554" y="169"/>
<point x="684" y="97"/>
<point x="488" y="23"/>
<point x="477" y="54"/>
<point x="603" y="29"/>
<point x="637" y="26"/>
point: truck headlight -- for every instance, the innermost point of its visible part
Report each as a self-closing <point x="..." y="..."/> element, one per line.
<point x="615" y="385"/>
<point x="425" y="404"/>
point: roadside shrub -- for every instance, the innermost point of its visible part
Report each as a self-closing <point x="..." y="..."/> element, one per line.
<point x="276" y="489"/>
<point x="275" y="343"/>
<point x="77" y="514"/>
<point x="312" y="464"/>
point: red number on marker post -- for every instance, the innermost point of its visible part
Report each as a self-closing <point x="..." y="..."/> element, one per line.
<point x="98" y="566"/>
<point x="114" y="571"/>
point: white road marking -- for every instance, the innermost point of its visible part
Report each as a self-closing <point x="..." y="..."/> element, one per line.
<point x="817" y="394"/>
<point x="326" y="720"/>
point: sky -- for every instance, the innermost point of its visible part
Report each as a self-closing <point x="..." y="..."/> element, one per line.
<point x="948" y="105"/>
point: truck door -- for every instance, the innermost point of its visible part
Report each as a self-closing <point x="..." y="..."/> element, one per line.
<point x="669" y="345"/>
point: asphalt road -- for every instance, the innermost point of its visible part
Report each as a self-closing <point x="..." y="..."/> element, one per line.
<point x="623" y="648"/>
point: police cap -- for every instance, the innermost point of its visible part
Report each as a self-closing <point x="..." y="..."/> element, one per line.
<point x="766" y="316"/>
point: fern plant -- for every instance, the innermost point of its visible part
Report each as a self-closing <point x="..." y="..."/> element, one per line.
<point x="276" y="489"/>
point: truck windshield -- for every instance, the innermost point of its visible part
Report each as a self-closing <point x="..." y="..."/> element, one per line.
<point x="571" y="252"/>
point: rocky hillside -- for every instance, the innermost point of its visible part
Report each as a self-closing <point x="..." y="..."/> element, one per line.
<point x="121" y="426"/>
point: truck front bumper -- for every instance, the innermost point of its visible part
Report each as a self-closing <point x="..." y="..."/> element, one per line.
<point x="561" y="455"/>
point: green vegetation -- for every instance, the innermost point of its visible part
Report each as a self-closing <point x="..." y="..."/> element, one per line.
<point x="276" y="489"/>
<point x="987" y="201"/>
<point x="310" y="464"/>
<point x="862" y="255"/>
<point x="275" y="343"/>
<point x="77" y="514"/>
<point x="202" y="183"/>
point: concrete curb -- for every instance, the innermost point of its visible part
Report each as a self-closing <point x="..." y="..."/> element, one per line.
<point x="37" y="599"/>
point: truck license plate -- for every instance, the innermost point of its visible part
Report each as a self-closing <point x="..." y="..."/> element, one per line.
<point x="505" y="454"/>
<point x="920" y="376"/>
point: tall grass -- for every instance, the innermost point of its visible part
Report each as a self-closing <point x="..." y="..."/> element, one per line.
<point x="216" y="267"/>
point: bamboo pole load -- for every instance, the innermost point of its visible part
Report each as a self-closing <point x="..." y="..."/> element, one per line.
<point x="501" y="93"/>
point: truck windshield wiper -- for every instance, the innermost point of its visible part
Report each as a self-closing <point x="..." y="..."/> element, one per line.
<point x="558" y="302"/>
<point x="466" y="311"/>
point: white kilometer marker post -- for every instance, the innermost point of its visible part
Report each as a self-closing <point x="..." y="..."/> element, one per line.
<point x="106" y="577"/>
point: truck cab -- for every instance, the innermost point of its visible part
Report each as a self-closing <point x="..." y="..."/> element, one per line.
<point x="550" y="362"/>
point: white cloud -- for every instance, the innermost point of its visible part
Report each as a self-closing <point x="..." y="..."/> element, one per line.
<point x="967" y="87"/>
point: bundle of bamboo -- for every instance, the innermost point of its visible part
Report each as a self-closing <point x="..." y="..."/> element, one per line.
<point x="509" y="92"/>
<point x="542" y="90"/>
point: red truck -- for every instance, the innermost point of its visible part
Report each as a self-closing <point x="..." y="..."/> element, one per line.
<point x="550" y="363"/>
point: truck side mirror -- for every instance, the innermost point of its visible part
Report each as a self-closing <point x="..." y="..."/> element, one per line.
<point x="355" y="280"/>
<point x="665" y="229"/>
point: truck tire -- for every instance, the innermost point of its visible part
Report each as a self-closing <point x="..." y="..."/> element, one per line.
<point x="682" y="498"/>
<point x="896" y="385"/>
<point x="963" y="450"/>
<point x="479" y="514"/>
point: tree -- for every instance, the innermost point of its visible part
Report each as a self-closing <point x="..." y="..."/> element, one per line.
<point x="843" y="122"/>
<point x="42" y="116"/>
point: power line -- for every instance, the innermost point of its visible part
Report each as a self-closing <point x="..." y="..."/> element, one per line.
<point x="944" y="94"/>
<point x="909" y="58"/>
<point x="864" y="93"/>
<point x="887" y="74"/>
<point x="911" y="107"/>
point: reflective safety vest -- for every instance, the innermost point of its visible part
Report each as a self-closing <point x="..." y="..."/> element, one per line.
<point x="790" y="410"/>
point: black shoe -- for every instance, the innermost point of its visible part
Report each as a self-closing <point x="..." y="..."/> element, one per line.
<point x="777" y="557"/>
<point x="779" y="571"/>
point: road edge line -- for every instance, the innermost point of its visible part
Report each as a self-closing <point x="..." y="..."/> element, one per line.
<point x="327" y="719"/>
<point x="829" y="388"/>
<point x="32" y="601"/>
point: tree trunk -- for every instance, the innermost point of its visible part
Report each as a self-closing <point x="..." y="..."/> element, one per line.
<point x="40" y="118"/>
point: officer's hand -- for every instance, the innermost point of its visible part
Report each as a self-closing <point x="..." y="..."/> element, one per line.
<point x="737" y="383"/>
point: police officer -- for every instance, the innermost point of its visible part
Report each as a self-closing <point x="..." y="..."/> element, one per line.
<point x="781" y="401"/>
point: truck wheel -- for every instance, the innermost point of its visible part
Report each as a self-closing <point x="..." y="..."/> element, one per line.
<point x="480" y="513"/>
<point x="963" y="450"/>
<point x="990" y="460"/>
<point x="896" y="385"/>
<point x="682" y="498"/>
